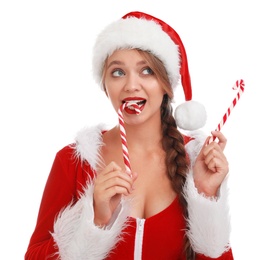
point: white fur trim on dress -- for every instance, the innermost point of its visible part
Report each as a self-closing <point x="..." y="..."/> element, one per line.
<point x="194" y="146"/>
<point x="131" y="33"/>
<point x="209" y="220"/>
<point x="76" y="235"/>
<point x="88" y="144"/>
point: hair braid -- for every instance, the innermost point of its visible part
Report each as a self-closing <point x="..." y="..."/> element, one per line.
<point x="176" y="161"/>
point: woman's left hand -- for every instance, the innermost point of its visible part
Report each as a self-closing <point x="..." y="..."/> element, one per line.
<point x="211" y="166"/>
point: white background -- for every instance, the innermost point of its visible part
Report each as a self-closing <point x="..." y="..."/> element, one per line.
<point x="47" y="94"/>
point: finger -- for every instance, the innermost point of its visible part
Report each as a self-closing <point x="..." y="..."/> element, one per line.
<point x="222" y="141"/>
<point x="111" y="167"/>
<point x="203" y="150"/>
<point x="214" y="151"/>
<point x="118" y="185"/>
<point x="213" y="164"/>
<point x="118" y="178"/>
<point x="216" y="161"/>
<point x="113" y="186"/>
<point x="134" y="176"/>
<point x="210" y="147"/>
<point x="116" y="190"/>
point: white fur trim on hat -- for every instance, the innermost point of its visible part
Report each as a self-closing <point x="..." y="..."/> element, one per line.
<point x="137" y="30"/>
<point x="133" y="33"/>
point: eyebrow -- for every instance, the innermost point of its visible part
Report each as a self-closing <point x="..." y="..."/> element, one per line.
<point x="117" y="62"/>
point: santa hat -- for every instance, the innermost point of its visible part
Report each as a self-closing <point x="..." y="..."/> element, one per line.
<point x="148" y="33"/>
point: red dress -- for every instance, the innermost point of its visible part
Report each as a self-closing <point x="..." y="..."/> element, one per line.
<point x="158" y="237"/>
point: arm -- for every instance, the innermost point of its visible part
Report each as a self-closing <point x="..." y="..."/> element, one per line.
<point x="76" y="232"/>
<point x="58" y="192"/>
<point x="207" y="197"/>
<point x="76" y="235"/>
<point x="65" y="227"/>
<point x="209" y="222"/>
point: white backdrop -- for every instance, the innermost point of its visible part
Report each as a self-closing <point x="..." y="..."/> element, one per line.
<point x="47" y="94"/>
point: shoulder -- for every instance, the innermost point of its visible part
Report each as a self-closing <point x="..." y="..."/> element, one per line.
<point x="84" y="150"/>
<point x="88" y="142"/>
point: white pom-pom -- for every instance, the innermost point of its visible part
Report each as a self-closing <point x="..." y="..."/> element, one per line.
<point x="190" y="115"/>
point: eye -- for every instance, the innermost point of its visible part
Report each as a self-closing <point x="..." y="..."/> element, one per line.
<point x="147" y="71"/>
<point x="117" y="73"/>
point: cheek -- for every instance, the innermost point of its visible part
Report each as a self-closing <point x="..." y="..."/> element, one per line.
<point x="158" y="92"/>
<point x="112" y="96"/>
<point x="160" y="96"/>
<point x="113" y="88"/>
<point x="108" y="90"/>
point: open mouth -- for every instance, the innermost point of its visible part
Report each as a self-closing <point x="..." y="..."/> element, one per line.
<point x="139" y="103"/>
<point x="134" y="106"/>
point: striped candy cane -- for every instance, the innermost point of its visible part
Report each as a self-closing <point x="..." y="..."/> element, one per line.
<point x="238" y="84"/>
<point x="123" y="133"/>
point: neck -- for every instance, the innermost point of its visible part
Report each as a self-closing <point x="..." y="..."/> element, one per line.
<point x="144" y="135"/>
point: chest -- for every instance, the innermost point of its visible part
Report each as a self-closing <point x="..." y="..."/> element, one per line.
<point x="152" y="189"/>
<point x="158" y="237"/>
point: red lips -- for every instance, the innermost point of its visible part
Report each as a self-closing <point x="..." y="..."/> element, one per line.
<point x="138" y="100"/>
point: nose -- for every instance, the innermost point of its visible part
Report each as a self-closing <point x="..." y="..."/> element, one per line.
<point x="132" y="83"/>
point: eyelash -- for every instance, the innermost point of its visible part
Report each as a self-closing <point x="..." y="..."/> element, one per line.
<point x="150" y="71"/>
<point x="117" y="70"/>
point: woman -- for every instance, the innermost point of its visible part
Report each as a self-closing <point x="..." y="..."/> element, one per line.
<point x="172" y="203"/>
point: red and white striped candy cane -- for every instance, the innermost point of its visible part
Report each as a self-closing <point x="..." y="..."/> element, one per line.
<point x="238" y="84"/>
<point x="123" y="133"/>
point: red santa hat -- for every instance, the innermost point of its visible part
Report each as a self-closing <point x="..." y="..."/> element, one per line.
<point x="148" y="33"/>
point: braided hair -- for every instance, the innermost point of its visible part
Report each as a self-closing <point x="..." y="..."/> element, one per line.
<point x="173" y="143"/>
<point x="176" y="162"/>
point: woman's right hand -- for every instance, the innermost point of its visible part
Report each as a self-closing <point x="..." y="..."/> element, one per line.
<point x="109" y="186"/>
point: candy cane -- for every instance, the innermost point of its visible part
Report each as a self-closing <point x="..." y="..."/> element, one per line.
<point x="238" y="84"/>
<point x="123" y="133"/>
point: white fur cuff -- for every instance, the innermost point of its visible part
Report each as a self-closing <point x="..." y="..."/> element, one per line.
<point x="76" y="235"/>
<point x="209" y="221"/>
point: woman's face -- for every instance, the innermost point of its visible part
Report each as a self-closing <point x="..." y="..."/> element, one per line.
<point x="128" y="77"/>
